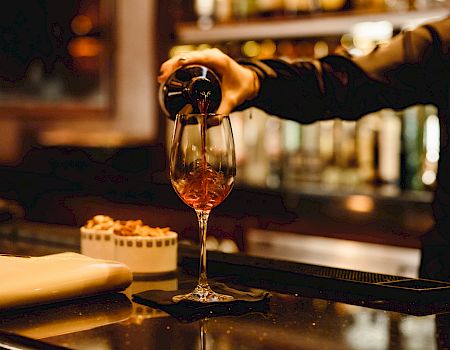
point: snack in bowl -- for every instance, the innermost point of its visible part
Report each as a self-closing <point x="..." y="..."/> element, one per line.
<point x="146" y="250"/>
<point x="97" y="237"/>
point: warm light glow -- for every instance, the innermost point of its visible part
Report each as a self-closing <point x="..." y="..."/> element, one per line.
<point x="203" y="47"/>
<point x="251" y="48"/>
<point x="204" y="7"/>
<point x="81" y="25"/>
<point x="359" y="203"/>
<point x="268" y="48"/>
<point x="84" y="47"/>
<point x="428" y="177"/>
<point x="286" y="49"/>
<point x="228" y="246"/>
<point x="376" y="31"/>
<point x="347" y="41"/>
<point x="291" y="132"/>
<point x="432" y="143"/>
<point x="320" y="304"/>
<point x="366" y="35"/>
<point x="181" y="49"/>
<point x="432" y="156"/>
<point x="204" y="10"/>
<point x="320" y="49"/>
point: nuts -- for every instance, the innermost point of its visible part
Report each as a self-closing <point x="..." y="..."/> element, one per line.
<point x="100" y="222"/>
<point x="126" y="227"/>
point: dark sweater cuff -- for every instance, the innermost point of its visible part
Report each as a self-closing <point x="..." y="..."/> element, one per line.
<point x="262" y="71"/>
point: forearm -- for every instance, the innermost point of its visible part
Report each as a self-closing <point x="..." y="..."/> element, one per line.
<point x="314" y="90"/>
<point x="394" y="76"/>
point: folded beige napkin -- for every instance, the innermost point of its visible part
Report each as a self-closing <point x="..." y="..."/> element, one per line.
<point x="28" y="281"/>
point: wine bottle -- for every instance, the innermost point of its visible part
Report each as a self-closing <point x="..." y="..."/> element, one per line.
<point x="431" y="147"/>
<point x="243" y="9"/>
<point x="269" y="8"/>
<point x="389" y="142"/>
<point x="223" y="11"/>
<point x="310" y="150"/>
<point x="367" y="150"/>
<point x="190" y="89"/>
<point x="204" y="9"/>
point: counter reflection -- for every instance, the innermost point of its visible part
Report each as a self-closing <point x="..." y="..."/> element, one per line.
<point x="293" y="322"/>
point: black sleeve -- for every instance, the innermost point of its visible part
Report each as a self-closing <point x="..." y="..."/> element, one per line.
<point x="392" y="76"/>
<point x="413" y="69"/>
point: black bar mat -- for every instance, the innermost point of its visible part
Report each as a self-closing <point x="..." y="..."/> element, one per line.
<point x="409" y="295"/>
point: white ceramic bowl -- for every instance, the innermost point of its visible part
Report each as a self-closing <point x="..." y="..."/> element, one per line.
<point x="146" y="255"/>
<point x="97" y="243"/>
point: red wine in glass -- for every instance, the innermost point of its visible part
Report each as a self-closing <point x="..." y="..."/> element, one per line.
<point x="202" y="171"/>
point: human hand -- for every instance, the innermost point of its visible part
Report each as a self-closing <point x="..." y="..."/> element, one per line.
<point x="238" y="82"/>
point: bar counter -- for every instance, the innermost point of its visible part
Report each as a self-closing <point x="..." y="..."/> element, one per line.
<point x="72" y="184"/>
<point x="295" y="316"/>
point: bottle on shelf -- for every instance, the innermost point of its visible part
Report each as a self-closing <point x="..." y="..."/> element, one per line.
<point x="204" y="10"/>
<point x="335" y="5"/>
<point x="431" y="146"/>
<point x="291" y="152"/>
<point x="223" y="11"/>
<point x="389" y="147"/>
<point x="238" y="120"/>
<point x="273" y="149"/>
<point x="269" y="8"/>
<point x="367" y="151"/>
<point x="299" y="7"/>
<point x="347" y="153"/>
<point x="257" y="166"/>
<point x="310" y="151"/>
<point x="243" y="9"/>
<point x="329" y="142"/>
<point x="412" y="148"/>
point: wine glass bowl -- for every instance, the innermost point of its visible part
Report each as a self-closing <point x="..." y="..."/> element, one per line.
<point x="202" y="172"/>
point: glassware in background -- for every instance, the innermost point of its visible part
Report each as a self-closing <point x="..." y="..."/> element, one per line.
<point x="243" y="9"/>
<point x="223" y="11"/>
<point x="204" y="9"/>
<point x="202" y="171"/>
<point x="269" y="8"/>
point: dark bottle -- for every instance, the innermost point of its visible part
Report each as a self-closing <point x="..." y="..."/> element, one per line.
<point x="190" y="89"/>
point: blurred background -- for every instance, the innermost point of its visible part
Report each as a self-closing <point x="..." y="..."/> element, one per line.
<point x="82" y="132"/>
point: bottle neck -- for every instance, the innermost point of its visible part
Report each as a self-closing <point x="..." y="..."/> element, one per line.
<point x="190" y="89"/>
<point x="199" y="93"/>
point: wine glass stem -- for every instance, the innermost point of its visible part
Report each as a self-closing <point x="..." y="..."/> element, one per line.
<point x="203" y="331"/>
<point x="202" y="216"/>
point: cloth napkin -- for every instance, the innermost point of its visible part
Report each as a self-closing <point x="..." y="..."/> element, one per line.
<point x="28" y="281"/>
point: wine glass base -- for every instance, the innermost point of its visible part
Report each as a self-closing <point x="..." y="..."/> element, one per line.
<point x="203" y="294"/>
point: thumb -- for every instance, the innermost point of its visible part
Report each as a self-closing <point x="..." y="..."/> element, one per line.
<point x="225" y="107"/>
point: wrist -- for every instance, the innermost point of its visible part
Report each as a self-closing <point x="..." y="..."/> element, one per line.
<point x="254" y="83"/>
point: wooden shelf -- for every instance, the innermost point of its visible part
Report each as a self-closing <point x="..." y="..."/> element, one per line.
<point x="304" y="26"/>
<point x="51" y="110"/>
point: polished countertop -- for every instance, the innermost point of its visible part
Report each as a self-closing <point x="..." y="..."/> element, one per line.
<point x="292" y="319"/>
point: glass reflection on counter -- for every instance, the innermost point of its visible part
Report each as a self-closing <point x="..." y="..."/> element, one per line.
<point x="71" y="317"/>
<point x="292" y="321"/>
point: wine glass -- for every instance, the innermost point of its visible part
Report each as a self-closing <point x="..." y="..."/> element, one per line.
<point x="202" y="171"/>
